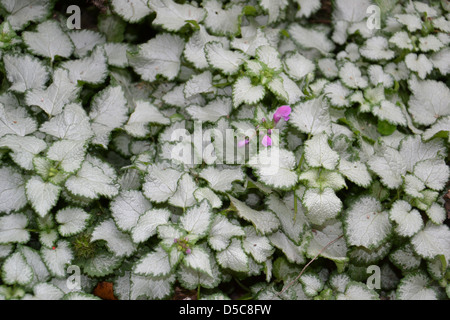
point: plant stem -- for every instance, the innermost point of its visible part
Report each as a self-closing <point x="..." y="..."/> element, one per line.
<point x="302" y="158"/>
<point x="246" y="296"/>
<point x="307" y="265"/>
<point x="224" y="211"/>
<point x="300" y="162"/>
<point x="397" y="196"/>
<point x="298" y="169"/>
<point x="295" y="206"/>
<point x="242" y="285"/>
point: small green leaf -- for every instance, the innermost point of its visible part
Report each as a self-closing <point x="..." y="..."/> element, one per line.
<point x="194" y="24"/>
<point x="386" y="128"/>
<point x="285" y="33"/>
<point x="250" y="11"/>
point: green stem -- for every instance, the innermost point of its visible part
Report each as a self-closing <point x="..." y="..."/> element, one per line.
<point x="379" y="192"/>
<point x="397" y="196"/>
<point x="242" y="285"/>
<point x="198" y="292"/>
<point x="300" y="162"/>
<point x="306" y="266"/>
<point x="298" y="169"/>
<point x="246" y="296"/>
<point x="100" y="207"/>
<point x="302" y="158"/>
<point x="295" y="206"/>
<point x="225" y="211"/>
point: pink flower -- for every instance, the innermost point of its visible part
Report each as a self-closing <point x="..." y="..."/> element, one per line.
<point x="266" y="141"/>
<point x="188" y="251"/>
<point x="243" y="143"/>
<point x="282" y="112"/>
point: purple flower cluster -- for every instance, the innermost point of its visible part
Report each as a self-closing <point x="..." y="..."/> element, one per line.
<point x="281" y="112"/>
<point x="183" y="245"/>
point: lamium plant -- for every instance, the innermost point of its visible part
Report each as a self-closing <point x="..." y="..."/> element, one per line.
<point x="294" y="149"/>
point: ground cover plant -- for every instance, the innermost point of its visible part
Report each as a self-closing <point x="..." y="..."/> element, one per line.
<point x="261" y="149"/>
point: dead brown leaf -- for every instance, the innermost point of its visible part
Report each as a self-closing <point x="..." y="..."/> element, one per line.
<point x="105" y="291"/>
<point x="183" y="294"/>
